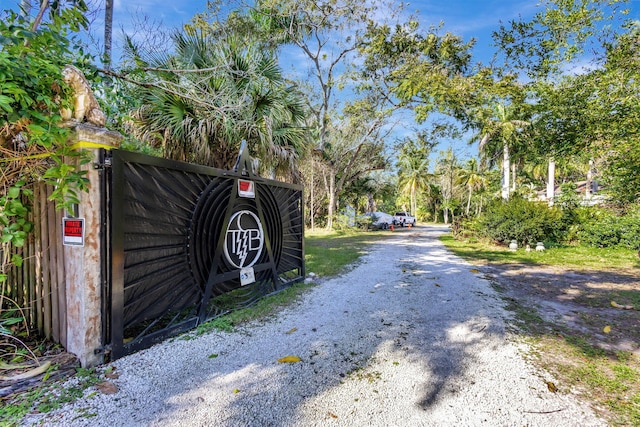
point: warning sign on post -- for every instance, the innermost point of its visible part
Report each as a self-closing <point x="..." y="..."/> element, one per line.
<point x="73" y="231"/>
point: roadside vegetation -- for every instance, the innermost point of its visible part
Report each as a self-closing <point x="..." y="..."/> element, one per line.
<point x="584" y="354"/>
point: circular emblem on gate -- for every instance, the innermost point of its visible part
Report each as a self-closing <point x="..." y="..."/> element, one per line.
<point x="244" y="239"/>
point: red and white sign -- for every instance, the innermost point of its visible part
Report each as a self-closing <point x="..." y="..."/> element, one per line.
<point x="246" y="188"/>
<point x="73" y="231"/>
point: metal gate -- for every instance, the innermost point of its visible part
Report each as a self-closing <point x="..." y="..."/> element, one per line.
<point x="189" y="243"/>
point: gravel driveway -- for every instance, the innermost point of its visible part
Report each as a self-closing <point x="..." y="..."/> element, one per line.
<point x="412" y="336"/>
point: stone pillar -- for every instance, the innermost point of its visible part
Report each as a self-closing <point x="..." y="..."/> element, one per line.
<point x="83" y="264"/>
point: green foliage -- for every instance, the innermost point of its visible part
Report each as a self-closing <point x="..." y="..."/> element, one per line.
<point x="218" y="324"/>
<point x="605" y="228"/>
<point x="47" y="397"/>
<point x="559" y="33"/>
<point x="622" y="176"/>
<point x="199" y="110"/>
<point x="525" y="221"/>
<point x="13" y="220"/>
<point x="33" y="145"/>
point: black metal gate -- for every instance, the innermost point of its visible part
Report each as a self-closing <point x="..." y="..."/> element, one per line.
<point x="189" y="243"/>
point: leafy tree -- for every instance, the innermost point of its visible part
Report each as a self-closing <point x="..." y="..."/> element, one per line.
<point x="327" y="34"/>
<point x="502" y="132"/>
<point x="200" y="102"/>
<point x="560" y="33"/>
<point x="413" y="168"/>
<point x="446" y="170"/>
<point x="423" y="70"/>
<point x="33" y="142"/>
<point x="472" y="179"/>
<point x="353" y="150"/>
<point x="591" y="114"/>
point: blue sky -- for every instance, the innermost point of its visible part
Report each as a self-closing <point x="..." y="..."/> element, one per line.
<point x="467" y="18"/>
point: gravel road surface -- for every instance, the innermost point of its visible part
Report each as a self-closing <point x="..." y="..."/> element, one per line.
<point x="412" y="336"/>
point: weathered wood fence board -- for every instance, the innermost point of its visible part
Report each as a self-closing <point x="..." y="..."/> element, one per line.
<point x="37" y="286"/>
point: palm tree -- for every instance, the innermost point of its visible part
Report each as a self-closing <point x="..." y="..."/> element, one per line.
<point x="471" y="177"/>
<point x="413" y="176"/>
<point x="447" y="167"/>
<point x="500" y="133"/>
<point x="211" y="94"/>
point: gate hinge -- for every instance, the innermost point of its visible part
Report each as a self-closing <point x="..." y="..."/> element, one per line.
<point x="105" y="163"/>
<point x="105" y="349"/>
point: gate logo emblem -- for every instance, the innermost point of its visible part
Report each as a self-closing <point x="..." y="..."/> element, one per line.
<point x="244" y="239"/>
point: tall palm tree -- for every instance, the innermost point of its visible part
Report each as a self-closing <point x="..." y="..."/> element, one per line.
<point x="211" y="94"/>
<point x="500" y="133"/>
<point x="414" y="176"/>
<point x="471" y="177"/>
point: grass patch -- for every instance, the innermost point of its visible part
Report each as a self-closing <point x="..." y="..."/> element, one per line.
<point x="612" y="380"/>
<point x="328" y="253"/>
<point x="561" y="256"/>
<point x="47" y="397"/>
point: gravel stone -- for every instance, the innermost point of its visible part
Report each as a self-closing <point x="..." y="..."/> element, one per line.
<point x="411" y="336"/>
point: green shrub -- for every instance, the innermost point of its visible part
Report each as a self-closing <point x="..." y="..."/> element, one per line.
<point x="605" y="228"/>
<point x="522" y="220"/>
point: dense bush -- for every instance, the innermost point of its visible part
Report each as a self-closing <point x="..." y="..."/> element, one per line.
<point x="522" y="220"/>
<point x="603" y="228"/>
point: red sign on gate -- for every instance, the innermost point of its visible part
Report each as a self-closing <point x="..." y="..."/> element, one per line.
<point x="246" y="188"/>
<point x="73" y="231"/>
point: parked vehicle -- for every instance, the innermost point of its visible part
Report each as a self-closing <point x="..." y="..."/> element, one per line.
<point x="380" y="220"/>
<point x="403" y="218"/>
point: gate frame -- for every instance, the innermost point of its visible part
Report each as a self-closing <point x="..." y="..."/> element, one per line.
<point x="113" y="295"/>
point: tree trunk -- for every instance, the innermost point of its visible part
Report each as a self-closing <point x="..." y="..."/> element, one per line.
<point x="414" y="202"/>
<point x="311" y="202"/>
<point x="506" y="169"/>
<point x="513" y="177"/>
<point x="332" y="200"/>
<point x="468" y="202"/>
<point x="551" y="181"/>
<point x="108" y="33"/>
<point x="588" y="190"/>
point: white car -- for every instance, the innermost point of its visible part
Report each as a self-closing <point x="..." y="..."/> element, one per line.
<point x="380" y="220"/>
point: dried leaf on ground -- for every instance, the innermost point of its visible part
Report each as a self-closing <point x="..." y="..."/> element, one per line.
<point x="107" y="387"/>
<point x="29" y="374"/>
<point x="112" y="375"/>
<point x="289" y="359"/>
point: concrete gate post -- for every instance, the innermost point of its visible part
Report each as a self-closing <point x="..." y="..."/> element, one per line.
<point x="83" y="272"/>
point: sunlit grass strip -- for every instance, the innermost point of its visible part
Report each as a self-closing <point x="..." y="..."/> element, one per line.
<point x="328" y="253"/>
<point x="562" y="256"/>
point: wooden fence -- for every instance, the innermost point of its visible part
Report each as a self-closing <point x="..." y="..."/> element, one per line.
<point x="37" y="286"/>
